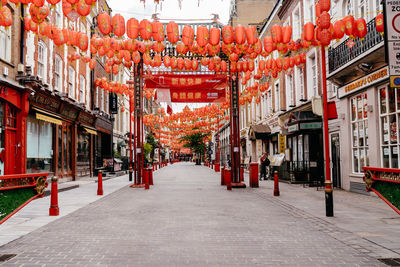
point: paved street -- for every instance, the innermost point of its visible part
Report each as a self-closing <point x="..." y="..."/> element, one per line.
<point x="188" y="219"/>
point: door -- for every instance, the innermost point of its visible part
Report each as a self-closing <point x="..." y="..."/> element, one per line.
<point x="11" y="152"/>
<point x="335" y="159"/>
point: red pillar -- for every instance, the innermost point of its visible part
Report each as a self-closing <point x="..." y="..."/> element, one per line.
<point x="276" y="184"/>
<point x="223" y="175"/>
<point x="228" y="179"/>
<point x="54" y="210"/>
<point x="253" y="176"/>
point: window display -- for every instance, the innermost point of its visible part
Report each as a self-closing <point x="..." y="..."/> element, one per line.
<point x="359" y="130"/>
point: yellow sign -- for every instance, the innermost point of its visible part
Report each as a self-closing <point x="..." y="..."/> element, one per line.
<point x="90" y="131"/>
<point x="282" y="143"/>
<point x="42" y="117"/>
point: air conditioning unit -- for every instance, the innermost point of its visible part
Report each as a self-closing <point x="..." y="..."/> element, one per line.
<point x="21" y="68"/>
<point x="5" y="71"/>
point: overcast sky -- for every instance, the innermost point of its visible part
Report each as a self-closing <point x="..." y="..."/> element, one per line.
<point x="169" y="9"/>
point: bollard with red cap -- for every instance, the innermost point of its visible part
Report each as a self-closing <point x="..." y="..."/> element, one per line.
<point x="54" y="210"/>
<point x="100" y="183"/>
<point x="223" y="175"/>
<point x="253" y="176"/>
<point x="146" y="178"/>
<point x="217" y="169"/>
<point x="228" y="179"/>
<point x="150" y="176"/>
<point x="276" y="184"/>
<point x="241" y="174"/>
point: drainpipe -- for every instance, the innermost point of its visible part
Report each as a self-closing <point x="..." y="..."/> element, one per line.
<point x="21" y="42"/>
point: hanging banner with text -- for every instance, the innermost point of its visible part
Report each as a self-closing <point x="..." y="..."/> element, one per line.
<point x="186" y="81"/>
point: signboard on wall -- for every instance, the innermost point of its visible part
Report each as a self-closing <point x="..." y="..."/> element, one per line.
<point x="282" y="143"/>
<point x="113" y="103"/>
<point x="392" y="39"/>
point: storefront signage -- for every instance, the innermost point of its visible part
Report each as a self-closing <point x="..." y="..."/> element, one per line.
<point x="69" y="113"/>
<point x="310" y="125"/>
<point x="282" y="143"/>
<point x="113" y="103"/>
<point x="86" y="118"/>
<point x="46" y="102"/>
<point x="293" y="128"/>
<point x="392" y="39"/>
<point x="364" y="82"/>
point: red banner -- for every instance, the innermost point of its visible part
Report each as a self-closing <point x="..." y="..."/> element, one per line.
<point x="186" y="81"/>
<point x="197" y="96"/>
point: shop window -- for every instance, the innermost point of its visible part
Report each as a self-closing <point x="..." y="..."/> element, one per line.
<point x="11" y="117"/>
<point x="359" y="130"/>
<point x="41" y="60"/>
<point x="39" y="152"/>
<point x="309" y="11"/>
<point x="57" y="15"/>
<point x="5" y="44"/>
<point x="389" y="117"/>
<point x="71" y="82"/>
<point x="57" y="72"/>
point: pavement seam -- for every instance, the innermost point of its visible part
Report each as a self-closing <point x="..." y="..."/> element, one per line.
<point x="332" y="230"/>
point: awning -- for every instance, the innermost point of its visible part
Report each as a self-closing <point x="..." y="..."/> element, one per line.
<point x="47" y="116"/>
<point x="260" y="131"/>
<point x="90" y="130"/>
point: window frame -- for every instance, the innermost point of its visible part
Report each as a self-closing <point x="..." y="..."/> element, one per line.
<point x="5" y="36"/>
<point x="41" y="60"/>
<point x="71" y="82"/>
<point x="58" y="63"/>
<point x="82" y="88"/>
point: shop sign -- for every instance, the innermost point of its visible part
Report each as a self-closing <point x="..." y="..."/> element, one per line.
<point x="310" y="125"/>
<point x="293" y="128"/>
<point x="392" y="39"/>
<point x="364" y="82"/>
<point x="282" y="143"/>
<point x="46" y="102"/>
<point x="69" y="113"/>
<point x="113" y="103"/>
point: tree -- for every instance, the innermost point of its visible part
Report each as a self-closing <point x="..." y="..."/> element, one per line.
<point x="195" y="142"/>
<point x="152" y="141"/>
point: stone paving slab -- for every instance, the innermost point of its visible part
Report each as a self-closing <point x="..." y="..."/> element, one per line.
<point x="188" y="219"/>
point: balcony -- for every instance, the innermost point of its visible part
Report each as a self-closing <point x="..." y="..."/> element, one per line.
<point x="343" y="60"/>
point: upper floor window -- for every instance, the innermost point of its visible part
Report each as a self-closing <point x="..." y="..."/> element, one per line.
<point x="82" y="27"/>
<point x="312" y="78"/>
<point x="71" y="82"/>
<point x="82" y="86"/>
<point x="289" y="90"/>
<point x="349" y="7"/>
<point x="297" y="26"/>
<point x="309" y="11"/>
<point x="57" y="72"/>
<point x="41" y="60"/>
<point x="299" y="83"/>
<point x="277" y="98"/>
<point x="58" y="15"/>
<point x="5" y="44"/>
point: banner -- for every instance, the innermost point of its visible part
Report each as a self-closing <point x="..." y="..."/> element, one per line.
<point x="186" y="81"/>
<point x="197" y="96"/>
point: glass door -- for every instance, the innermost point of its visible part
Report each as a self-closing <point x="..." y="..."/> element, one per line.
<point x="335" y="159"/>
<point x="65" y="150"/>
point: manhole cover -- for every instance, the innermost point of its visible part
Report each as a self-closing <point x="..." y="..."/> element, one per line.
<point x="6" y="257"/>
<point x="391" y="261"/>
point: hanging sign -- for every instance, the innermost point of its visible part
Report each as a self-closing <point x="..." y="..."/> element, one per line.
<point x="197" y="96"/>
<point x="186" y="81"/>
<point x="392" y="40"/>
<point x="113" y="103"/>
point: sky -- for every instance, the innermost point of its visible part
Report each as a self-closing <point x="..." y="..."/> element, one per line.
<point x="169" y="9"/>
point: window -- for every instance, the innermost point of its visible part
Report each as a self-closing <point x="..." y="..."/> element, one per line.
<point x="96" y="98"/>
<point x="349" y="7"/>
<point x="5" y="44"/>
<point x="289" y="91"/>
<point x="58" y="16"/>
<point x="359" y="132"/>
<point x="41" y="60"/>
<point x="299" y="83"/>
<point x="389" y="116"/>
<point x="297" y="27"/>
<point x="312" y="79"/>
<point x="332" y="88"/>
<point x="277" y="98"/>
<point x="82" y="86"/>
<point x="362" y="8"/>
<point x="82" y="27"/>
<point x="309" y="11"/>
<point x="71" y="82"/>
<point x="57" y="72"/>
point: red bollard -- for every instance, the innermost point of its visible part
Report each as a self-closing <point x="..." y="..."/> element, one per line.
<point x="146" y="179"/>
<point x="100" y="183"/>
<point x="253" y="177"/>
<point x="217" y="167"/>
<point x="54" y="210"/>
<point x="151" y="177"/>
<point x="241" y="174"/>
<point x="223" y="175"/>
<point x="228" y="179"/>
<point x="276" y="184"/>
<point x="155" y="165"/>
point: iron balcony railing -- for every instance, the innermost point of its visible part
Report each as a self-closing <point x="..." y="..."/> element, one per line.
<point x="342" y="54"/>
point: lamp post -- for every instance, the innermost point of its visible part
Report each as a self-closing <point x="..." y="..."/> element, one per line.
<point x="328" y="181"/>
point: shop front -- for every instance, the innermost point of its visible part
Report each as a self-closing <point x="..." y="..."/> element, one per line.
<point x="14" y="108"/>
<point x="103" y="143"/>
<point x="304" y="149"/>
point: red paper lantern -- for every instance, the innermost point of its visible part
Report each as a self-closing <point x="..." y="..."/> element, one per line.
<point x="145" y="29"/>
<point x="287" y="34"/>
<point x="317" y="10"/>
<point x="349" y="23"/>
<point x="5" y="17"/>
<point x="172" y="32"/>
<point x="261" y="65"/>
<point x="268" y="44"/>
<point x="136" y="57"/>
<point x="83" y="41"/>
<point x="240" y="37"/>
<point x="132" y="28"/>
<point x="224" y="66"/>
<point x="227" y="34"/>
<point x="38" y="3"/>
<point x="325" y="5"/>
<point x="118" y="25"/>
<point x="83" y="9"/>
<point x="338" y="29"/>
<point x="195" y="64"/>
<point x="276" y="33"/>
<point x="251" y="35"/>
<point x="104" y="22"/>
<point x="325" y="20"/>
<point x="187" y="35"/>
<point x="379" y="23"/>
<point x="308" y="31"/>
<point x="233" y="57"/>
<point x="202" y="36"/>
<point x="158" y="31"/>
<point x="215" y="35"/>
<point x="325" y="37"/>
<point x="361" y="28"/>
<point x="204" y="61"/>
